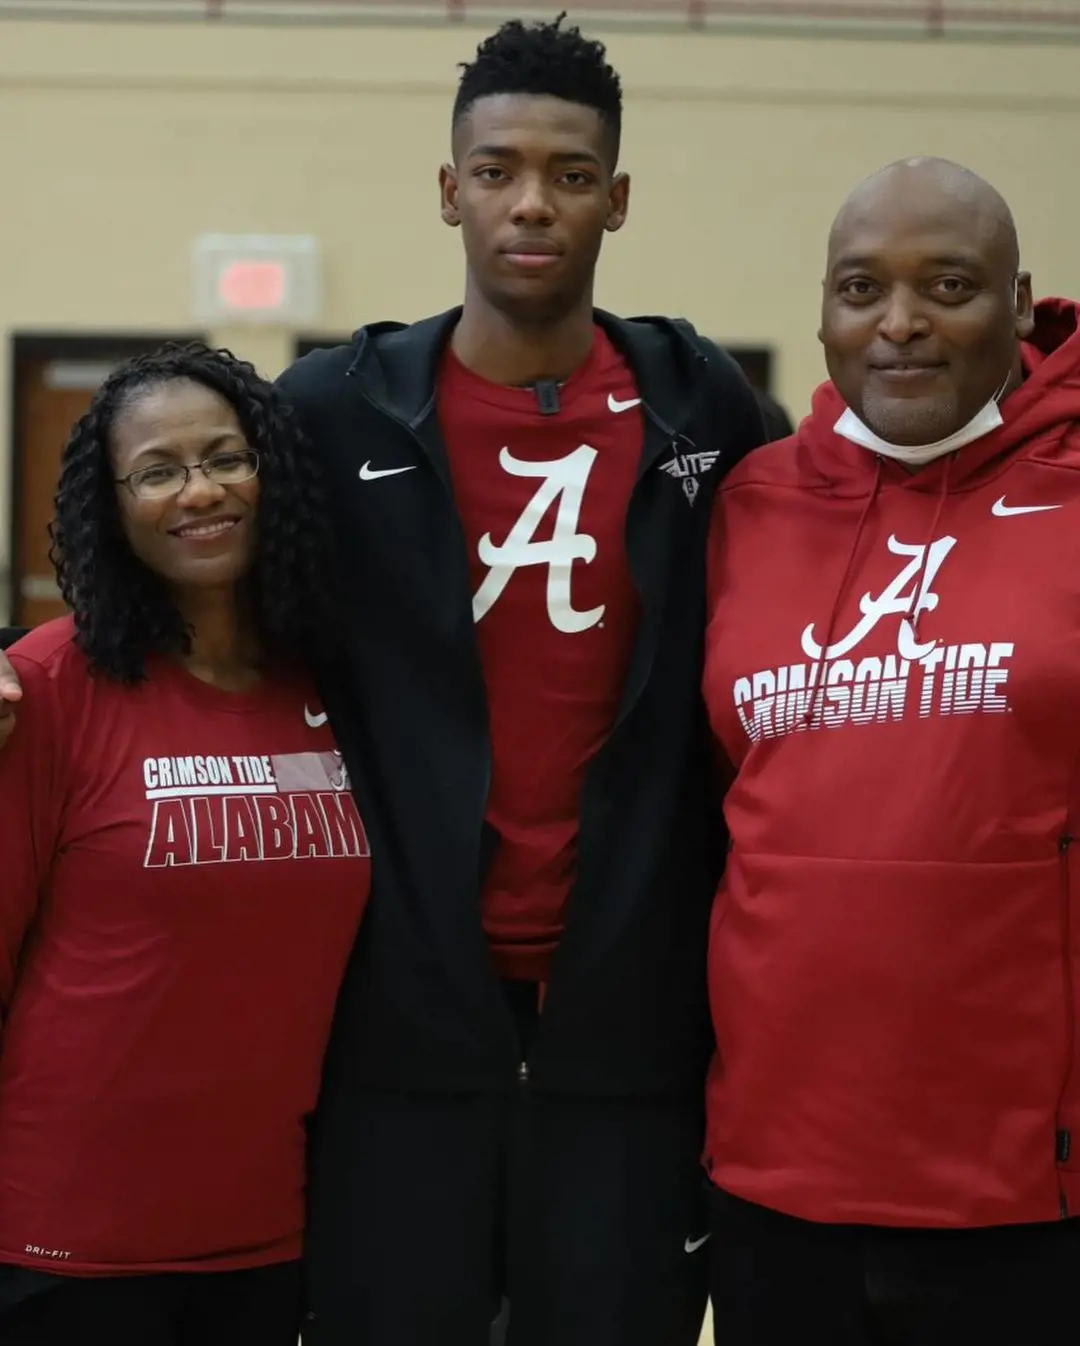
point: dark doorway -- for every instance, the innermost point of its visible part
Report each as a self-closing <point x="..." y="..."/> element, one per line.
<point x="54" y="380"/>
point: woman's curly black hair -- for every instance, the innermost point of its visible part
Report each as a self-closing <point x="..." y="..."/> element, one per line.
<point x="123" y="612"/>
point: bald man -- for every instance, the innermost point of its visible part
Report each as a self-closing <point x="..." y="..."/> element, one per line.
<point x="893" y="674"/>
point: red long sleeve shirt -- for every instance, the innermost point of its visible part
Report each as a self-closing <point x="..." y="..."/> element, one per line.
<point x="182" y="874"/>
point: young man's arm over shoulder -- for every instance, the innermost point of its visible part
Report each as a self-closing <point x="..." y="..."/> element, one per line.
<point x="737" y="419"/>
<point x="30" y="811"/>
<point x="10" y="687"/>
<point x="308" y="385"/>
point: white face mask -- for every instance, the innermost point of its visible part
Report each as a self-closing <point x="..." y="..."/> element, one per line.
<point x="918" y="455"/>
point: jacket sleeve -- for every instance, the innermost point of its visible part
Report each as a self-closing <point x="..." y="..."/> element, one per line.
<point x="290" y="385"/>
<point x="305" y="389"/>
<point x="10" y="634"/>
<point x="30" y="813"/>
<point x="737" y="422"/>
<point x="777" y="422"/>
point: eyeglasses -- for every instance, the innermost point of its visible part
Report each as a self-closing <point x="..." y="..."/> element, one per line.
<point x="166" y="479"/>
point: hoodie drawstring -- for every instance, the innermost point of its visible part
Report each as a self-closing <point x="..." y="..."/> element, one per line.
<point x="814" y="700"/>
<point x="914" y="612"/>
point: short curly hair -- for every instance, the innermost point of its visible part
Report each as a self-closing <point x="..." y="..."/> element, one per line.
<point x="122" y="610"/>
<point x="549" y="60"/>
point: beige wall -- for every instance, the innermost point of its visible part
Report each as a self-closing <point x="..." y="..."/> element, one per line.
<point x="119" y="143"/>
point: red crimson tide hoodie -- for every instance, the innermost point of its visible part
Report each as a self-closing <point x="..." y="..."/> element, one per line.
<point x="893" y="669"/>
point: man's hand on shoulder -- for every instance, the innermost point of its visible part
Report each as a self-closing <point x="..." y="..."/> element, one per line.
<point x="10" y="695"/>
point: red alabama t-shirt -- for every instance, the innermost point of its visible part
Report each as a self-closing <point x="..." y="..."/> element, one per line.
<point x="544" y="500"/>
<point x="184" y="872"/>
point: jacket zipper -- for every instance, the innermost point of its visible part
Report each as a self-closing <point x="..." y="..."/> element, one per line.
<point x="672" y="439"/>
<point x="523" y="1075"/>
<point x="1063" y="1136"/>
<point x="415" y="437"/>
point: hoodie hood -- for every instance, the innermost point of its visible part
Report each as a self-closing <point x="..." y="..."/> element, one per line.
<point x="1038" y="413"/>
<point x="1042" y="407"/>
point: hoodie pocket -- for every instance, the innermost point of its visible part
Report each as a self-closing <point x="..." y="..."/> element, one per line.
<point x="892" y="1037"/>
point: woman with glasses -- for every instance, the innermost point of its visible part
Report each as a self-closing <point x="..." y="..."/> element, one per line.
<point x="183" y="874"/>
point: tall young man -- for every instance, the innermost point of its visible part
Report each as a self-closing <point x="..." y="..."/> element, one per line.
<point x="512" y="1102"/>
<point x="893" y="669"/>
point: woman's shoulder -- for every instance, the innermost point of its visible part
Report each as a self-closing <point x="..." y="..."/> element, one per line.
<point x="50" y="648"/>
<point x="59" y="687"/>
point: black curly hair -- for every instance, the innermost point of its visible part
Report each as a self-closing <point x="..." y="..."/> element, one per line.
<point x="545" y="59"/>
<point x="123" y="612"/>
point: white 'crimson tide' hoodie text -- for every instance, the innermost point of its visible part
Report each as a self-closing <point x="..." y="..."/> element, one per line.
<point x="893" y="669"/>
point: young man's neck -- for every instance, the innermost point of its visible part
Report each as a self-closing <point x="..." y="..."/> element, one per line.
<point x="505" y="350"/>
<point x="224" y="650"/>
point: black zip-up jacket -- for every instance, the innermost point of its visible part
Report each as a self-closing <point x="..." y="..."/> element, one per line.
<point x="422" y="1007"/>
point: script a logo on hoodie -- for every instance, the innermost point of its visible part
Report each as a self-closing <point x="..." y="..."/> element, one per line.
<point x="831" y="689"/>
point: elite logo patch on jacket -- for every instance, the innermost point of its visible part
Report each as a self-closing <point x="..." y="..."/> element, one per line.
<point x="689" y="468"/>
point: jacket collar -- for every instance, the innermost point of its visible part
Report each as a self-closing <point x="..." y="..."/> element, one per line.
<point x="397" y="365"/>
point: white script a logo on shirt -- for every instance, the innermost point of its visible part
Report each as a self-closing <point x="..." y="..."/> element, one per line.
<point x="564" y="480"/>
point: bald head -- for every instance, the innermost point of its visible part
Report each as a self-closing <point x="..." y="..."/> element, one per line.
<point x="934" y="189"/>
<point x="924" y="304"/>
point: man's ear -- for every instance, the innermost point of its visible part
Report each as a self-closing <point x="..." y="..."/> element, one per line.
<point x="448" y="188"/>
<point x="618" y="203"/>
<point x="1024" y="302"/>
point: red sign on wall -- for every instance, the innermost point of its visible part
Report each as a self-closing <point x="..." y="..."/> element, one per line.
<point x="263" y="279"/>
